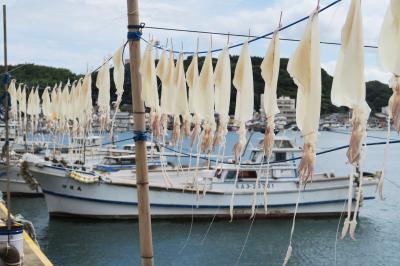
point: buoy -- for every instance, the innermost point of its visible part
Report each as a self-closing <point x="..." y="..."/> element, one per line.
<point x="10" y="256"/>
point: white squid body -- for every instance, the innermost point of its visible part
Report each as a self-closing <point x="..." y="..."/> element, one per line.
<point x="78" y="109"/>
<point x="64" y="103"/>
<point x="205" y="103"/>
<point x="103" y="100"/>
<point x="348" y="89"/>
<point x="86" y="102"/>
<point x="76" y="103"/>
<point x="304" y="67"/>
<point x="23" y="107"/>
<point x="12" y="91"/>
<point x="270" y="74"/>
<point x="389" y="40"/>
<point x="46" y="103"/>
<point x="36" y="110"/>
<point x="149" y="92"/>
<point x="18" y="95"/>
<point x="70" y="114"/>
<point x="389" y="54"/>
<point x="243" y="82"/>
<point x="119" y="76"/>
<point x="162" y="72"/>
<point x="55" y="102"/>
<point x="181" y="105"/>
<point x="166" y="71"/>
<point x="30" y="107"/>
<point x="192" y="79"/>
<point x="222" y="80"/>
<point x="149" y="79"/>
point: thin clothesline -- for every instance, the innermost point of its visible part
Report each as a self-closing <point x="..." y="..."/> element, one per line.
<point x="249" y="41"/>
<point x="243" y="35"/>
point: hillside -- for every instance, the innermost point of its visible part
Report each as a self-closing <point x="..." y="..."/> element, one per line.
<point x="377" y="92"/>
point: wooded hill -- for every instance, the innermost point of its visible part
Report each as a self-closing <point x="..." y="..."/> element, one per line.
<point x="377" y="93"/>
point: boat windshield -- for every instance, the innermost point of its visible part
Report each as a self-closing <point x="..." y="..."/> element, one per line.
<point x="119" y="161"/>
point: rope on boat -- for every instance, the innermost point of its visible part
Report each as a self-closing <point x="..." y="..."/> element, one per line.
<point x="85" y="179"/>
<point x="27" y="176"/>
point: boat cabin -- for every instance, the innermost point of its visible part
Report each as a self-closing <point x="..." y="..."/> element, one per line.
<point x="283" y="149"/>
<point x="150" y="147"/>
<point x="122" y="162"/>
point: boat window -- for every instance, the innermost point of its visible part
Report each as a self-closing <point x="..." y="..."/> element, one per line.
<point x="119" y="161"/>
<point x="283" y="144"/>
<point x="253" y="156"/>
<point x="127" y="161"/>
<point x="247" y="174"/>
<point x="280" y="156"/>
<point x="231" y="175"/>
<point x="129" y="148"/>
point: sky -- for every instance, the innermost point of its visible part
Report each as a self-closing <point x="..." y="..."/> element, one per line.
<point x="80" y="34"/>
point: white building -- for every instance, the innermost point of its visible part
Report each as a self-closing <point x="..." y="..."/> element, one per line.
<point x="287" y="108"/>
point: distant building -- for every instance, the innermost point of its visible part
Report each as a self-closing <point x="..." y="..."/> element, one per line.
<point x="287" y="108"/>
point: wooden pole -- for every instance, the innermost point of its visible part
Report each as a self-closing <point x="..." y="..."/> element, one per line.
<point x="6" y="144"/>
<point x="142" y="183"/>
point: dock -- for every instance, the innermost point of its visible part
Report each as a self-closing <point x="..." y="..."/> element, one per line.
<point x="33" y="255"/>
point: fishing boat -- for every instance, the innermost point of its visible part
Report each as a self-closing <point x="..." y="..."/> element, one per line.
<point x="18" y="184"/>
<point x="110" y="190"/>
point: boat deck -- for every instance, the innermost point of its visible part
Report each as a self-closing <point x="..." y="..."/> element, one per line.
<point x="33" y="255"/>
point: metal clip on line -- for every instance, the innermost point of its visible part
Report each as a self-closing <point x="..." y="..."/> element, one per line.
<point x="140" y="136"/>
<point x="135" y="35"/>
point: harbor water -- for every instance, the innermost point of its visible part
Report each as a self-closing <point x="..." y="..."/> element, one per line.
<point x="88" y="242"/>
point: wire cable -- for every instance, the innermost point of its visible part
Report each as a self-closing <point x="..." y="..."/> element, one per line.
<point x="242" y="35"/>
<point x="249" y="41"/>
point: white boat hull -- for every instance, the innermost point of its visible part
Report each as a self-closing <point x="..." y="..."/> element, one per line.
<point x="18" y="186"/>
<point x="65" y="196"/>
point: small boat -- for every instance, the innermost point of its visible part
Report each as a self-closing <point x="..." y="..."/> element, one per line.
<point x="73" y="190"/>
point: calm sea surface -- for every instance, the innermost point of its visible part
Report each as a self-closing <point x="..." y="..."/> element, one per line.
<point x="87" y="242"/>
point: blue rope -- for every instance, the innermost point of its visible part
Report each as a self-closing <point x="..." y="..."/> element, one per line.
<point x="287" y="160"/>
<point x="140" y="136"/>
<point x="134" y="35"/>
<point x="6" y="78"/>
<point x="250" y="41"/>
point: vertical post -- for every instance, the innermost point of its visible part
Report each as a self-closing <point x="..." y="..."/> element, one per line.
<point x="6" y="143"/>
<point x="142" y="183"/>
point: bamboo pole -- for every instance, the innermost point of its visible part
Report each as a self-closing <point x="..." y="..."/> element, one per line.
<point x="142" y="183"/>
<point x="6" y="144"/>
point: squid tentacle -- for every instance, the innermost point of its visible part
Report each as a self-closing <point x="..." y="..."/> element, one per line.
<point x="307" y="163"/>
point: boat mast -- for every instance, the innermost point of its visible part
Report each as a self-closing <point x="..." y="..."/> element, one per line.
<point x="6" y="144"/>
<point x="142" y="182"/>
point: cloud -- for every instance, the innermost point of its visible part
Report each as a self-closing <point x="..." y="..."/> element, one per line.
<point x="75" y="33"/>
